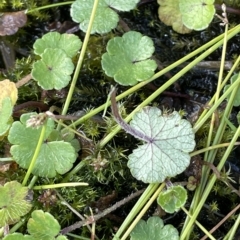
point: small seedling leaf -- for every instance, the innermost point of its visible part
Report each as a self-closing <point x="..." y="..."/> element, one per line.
<point x="236" y="101"/>
<point x="13" y="203"/>
<point x="43" y="226"/>
<point x="127" y="58"/>
<point x="172" y="199"/>
<point x="169" y="13"/>
<point x="69" y="43"/>
<point x="54" y="157"/>
<point x="18" y="236"/>
<point x="167" y="152"/>
<point x="5" y="115"/>
<point x="197" y="14"/>
<point x="53" y="70"/>
<point x="154" y="229"/>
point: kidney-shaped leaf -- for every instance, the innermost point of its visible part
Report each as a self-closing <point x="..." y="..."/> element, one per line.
<point x="54" y="157"/>
<point x="154" y="229"/>
<point x="69" y="43"/>
<point x="166" y="153"/>
<point x="127" y="58"/>
<point x="197" y="14"/>
<point x="13" y="203"/>
<point x="43" y="225"/>
<point x="53" y="70"/>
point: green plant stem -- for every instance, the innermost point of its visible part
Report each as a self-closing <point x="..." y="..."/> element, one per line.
<point x="143" y="211"/>
<point x="211" y="148"/>
<point x="59" y="185"/>
<point x="222" y="86"/>
<point x="220" y="132"/>
<point x="49" y="6"/>
<point x="205" y="172"/>
<point x="8" y="159"/>
<point x="18" y="225"/>
<point x="198" y="125"/>
<point x="199" y="225"/>
<point x="33" y="181"/>
<point x="222" y="221"/>
<point x="233" y="32"/>
<point x="217" y="94"/>
<point x="209" y="186"/>
<point x="80" y="61"/>
<point x="137" y="207"/>
<point x="37" y="150"/>
<point x="233" y="230"/>
<point x="163" y="88"/>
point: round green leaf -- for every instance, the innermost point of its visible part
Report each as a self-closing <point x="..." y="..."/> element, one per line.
<point x="59" y="41"/>
<point x="53" y="70"/>
<point x="172" y="199"/>
<point x="167" y="153"/>
<point x="236" y="101"/>
<point x="169" y="13"/>
<point x="127" y="58"/>
<point x="13" y="203"/>
<point x="197" y="14"/>
<point x="54" y="156"/>
<point x="43" y="226"/>
<point x="105" y="19"/>
<point x="154" y="229"/>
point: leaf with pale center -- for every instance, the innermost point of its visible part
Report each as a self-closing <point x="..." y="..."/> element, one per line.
<point x="166" y="154"/>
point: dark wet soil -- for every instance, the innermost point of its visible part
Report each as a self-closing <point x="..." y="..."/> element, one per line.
<point x="191" y="92"/>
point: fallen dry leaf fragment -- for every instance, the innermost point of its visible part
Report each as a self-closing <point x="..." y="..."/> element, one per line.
<point x="10" y="22"/>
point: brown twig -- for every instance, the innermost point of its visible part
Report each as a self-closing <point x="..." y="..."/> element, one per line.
<point x="23" y="81"/>
<point x="222" y="221"/>
<point x="102" y="214"/>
